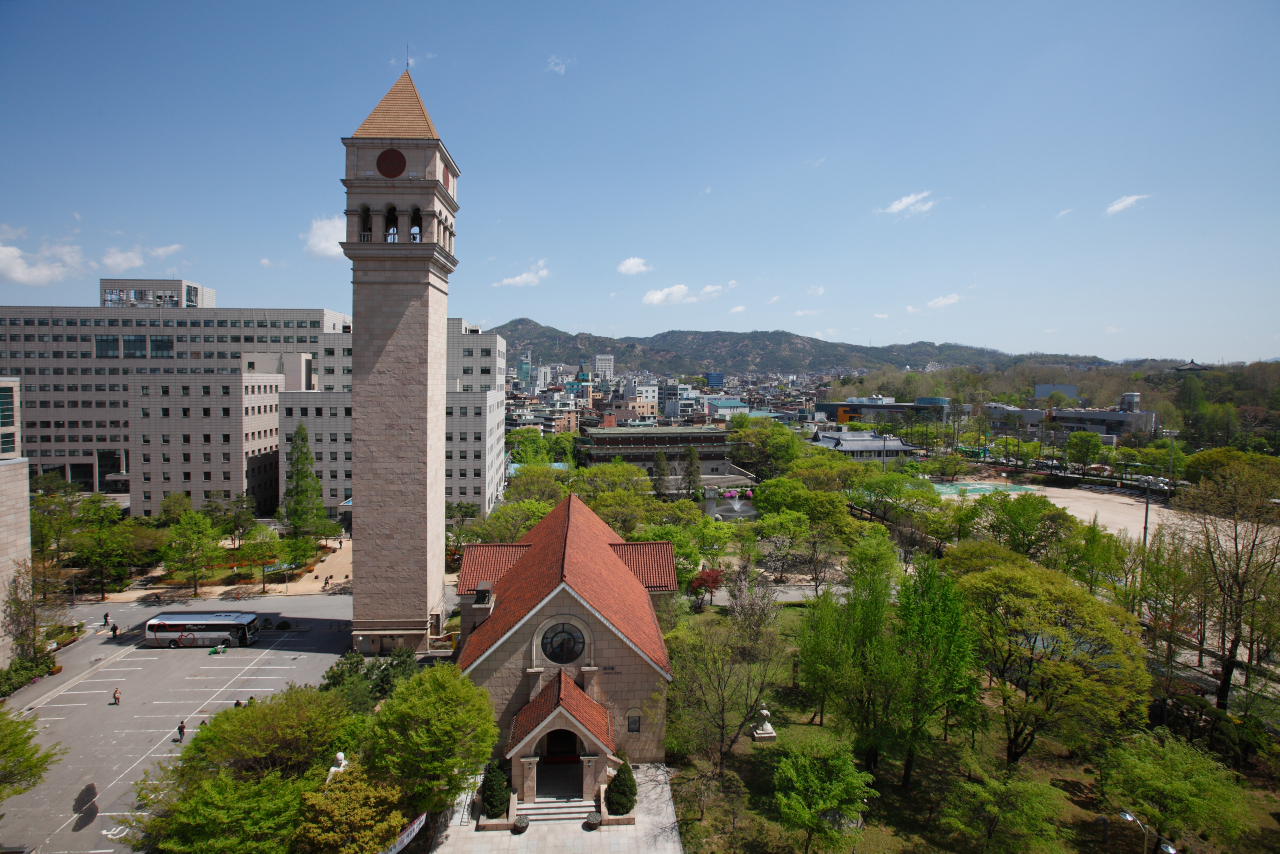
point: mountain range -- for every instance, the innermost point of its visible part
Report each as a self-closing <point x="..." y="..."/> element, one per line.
<point x="681" y="352"/>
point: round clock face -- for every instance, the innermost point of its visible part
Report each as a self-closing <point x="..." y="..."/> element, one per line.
<point x="391" y="164"/>
<point x="562" y="643"/>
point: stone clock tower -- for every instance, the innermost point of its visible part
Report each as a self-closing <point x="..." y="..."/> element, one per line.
<point x="402" y="190"/>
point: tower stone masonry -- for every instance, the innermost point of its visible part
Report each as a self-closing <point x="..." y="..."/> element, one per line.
<point x="402" y="190"/>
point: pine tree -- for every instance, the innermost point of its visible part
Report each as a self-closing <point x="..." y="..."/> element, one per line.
<point x="495" y="791"/>
<point x="692" y="473"/>
<point x="661" y="471"/>
<point x="620" y="796"/>
<point x="303" y="508"/>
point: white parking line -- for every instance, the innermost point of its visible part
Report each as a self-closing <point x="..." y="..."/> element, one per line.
<point x="60" y="705"/>
<point x="103" y="691"/>
<point x="117" y="669"/>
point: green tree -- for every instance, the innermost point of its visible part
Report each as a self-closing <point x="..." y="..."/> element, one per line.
<point x="350" y="815"/>
<point x="1173" y="785"/>
<point x="1234" y="521"/>
<point x="233" y="517"/>
<point x="609" y="477"/>
<point x="191" y="548"/>
<point x="820" y="792"/>
<point x="507" y="523"/>
<point x="303" y="509"/>
<point x="691" y="477"/>
<point x="763" y="447"/>
<point x="661" y="472"/>
<point x="261" y="548"/>
<point x="53" y="522"/>
<point x="1083" y="448"/>
<point x="23" y="762"/>
<point x="1061" y="661"/>
<point x="221" y="814"/>
<point x="1003" y="815"/>
<point x="535" y="482"/>
<point x="495" y="790"/>
<point x="560" y="447"/>
<point x="173" y="506"/>
<point x="28" y="616"/>
<point x="432" y="735"/>
<point x="99" y="543"/>
<point x="936" y="641"/>
<point x="821" y="654"/>
<point x="1029" y="524"/>
<point x="620" y="794"/>
<point x="527" y="446"/>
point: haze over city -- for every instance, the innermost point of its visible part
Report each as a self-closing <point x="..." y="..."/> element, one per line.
<point x="1086" y="179"/>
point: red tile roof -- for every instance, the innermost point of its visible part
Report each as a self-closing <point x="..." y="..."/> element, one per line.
<point x="486" y="562"/>
<point x="571" y="546"/>
<point x="653" y="563"/>
<point x="562" y="693"/>
<point x="399" y="115"/>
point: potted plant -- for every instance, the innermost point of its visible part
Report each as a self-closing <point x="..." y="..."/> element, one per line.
<point x="521" y="824"/>
<point x="593" y="820"/>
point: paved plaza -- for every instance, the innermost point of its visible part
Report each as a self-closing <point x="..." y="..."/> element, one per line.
<point x="655" y="830"/>
<point x="109" y="747"/>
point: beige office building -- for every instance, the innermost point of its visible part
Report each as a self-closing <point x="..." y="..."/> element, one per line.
<point x="15" y="507"/>
<point x="402" y="189"/>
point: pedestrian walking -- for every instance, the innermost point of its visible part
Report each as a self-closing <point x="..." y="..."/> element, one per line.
<point x="114" y="629"/>
<point x="115" y="698"/>
<point x="182" y="731"/>
<point x="239" y="704"/>
<point x="106" y="620"/>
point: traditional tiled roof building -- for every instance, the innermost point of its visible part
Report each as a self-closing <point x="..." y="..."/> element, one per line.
<point x="560" y="629"/>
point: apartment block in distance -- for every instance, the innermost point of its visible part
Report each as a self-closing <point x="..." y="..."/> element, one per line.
<point x="475" y="415"/>
<point x="151" y="398"/>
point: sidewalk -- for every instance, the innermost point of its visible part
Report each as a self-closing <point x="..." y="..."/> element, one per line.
<point x="337" y="564"/>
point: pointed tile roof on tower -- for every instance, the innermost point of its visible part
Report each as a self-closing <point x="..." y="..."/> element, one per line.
<point x="399" y="115"/>
<point x="574" y="547"/>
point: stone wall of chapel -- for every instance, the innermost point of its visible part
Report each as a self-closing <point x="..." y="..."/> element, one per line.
<point x="624" y="680"/>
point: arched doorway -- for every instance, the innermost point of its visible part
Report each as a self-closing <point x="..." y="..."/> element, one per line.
<point x="560" y="768"/>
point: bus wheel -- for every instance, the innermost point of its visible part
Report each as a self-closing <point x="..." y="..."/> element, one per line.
<point x="173" y="644"/>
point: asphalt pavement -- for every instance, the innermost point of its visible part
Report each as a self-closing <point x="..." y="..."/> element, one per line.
<point x="108" y="747"/>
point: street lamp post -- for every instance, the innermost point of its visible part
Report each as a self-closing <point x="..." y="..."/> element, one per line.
<point x="1162" y="845"/>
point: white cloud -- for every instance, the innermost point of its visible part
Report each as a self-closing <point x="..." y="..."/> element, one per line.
<point x="163" y="252"/>
<point x="825" y="333"/>
<point x="266" y="262"/>
<point x="733" y="283"/>
<point x="705" y="192"/>
<point x="818" y="162"/>
<point x="1111" y="330"/>
<point x="558" y="65"/>
<point x="1124" y="202"/>
<point x="51" y="264"/>
<point x="808" y="312"/>
<point x="8" y="232"/>
<point x="117" y="261"/>
<point x="76" y="214"/>
<point x="677" y="294"/>
<point x="673" y="295"/>
<point x="943" y="302"/>
<point x="612" y="295"/>
<point x="632" y="266"/>
<point x="325" y="235"/>
<point x="913" y="203"/>
<point x="529" y="277"/>
<point x="911" y="309"/>
<point x="1067" y="211"/>
<point x="773" y="300"/>
<point x="816" y="292"/>
<point x="738" y="309"/>
<point x="882" y="317"/>
<point x="1049" y="331"/>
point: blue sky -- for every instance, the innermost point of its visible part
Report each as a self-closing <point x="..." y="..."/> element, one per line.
<point x="1082" y="177"/>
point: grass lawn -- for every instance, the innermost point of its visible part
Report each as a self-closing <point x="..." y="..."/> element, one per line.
<point x="907" y="820"/>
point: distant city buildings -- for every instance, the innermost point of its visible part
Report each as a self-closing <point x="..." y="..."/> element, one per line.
<point x="602" y="366"/>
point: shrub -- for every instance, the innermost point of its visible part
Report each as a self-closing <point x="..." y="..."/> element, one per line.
<point x="620" y="796"/>
<point x="495" y="791"/>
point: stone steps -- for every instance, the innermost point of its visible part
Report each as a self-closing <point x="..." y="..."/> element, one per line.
<point x="551" y="809"/>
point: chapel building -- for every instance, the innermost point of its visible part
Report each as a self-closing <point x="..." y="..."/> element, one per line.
<point x="560" y="628"/>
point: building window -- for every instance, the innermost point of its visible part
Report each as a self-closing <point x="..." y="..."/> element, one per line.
<point x="633" y="723"/>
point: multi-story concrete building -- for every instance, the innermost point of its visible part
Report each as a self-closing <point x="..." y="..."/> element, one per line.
<point x="602" y="366"/>
<point x="402" y="200"/>
<point x="475" y="415"/>
<point x="15" y="508"/>
<point x="154" y="293"/>
<point x="103" y="386"/>
<point x="638" y="445"/>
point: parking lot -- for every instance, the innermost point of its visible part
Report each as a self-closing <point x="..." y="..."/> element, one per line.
<point x="109" y="747"/>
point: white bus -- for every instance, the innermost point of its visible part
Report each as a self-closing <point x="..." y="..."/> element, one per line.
<point x="202" y="629"/>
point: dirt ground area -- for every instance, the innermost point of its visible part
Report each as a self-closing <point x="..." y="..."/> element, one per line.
<point x="1116" y="512"/>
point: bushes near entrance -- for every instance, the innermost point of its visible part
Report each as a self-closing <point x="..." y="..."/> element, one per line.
<point x="495" y="791"/>
<point x="620" y="796"/>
